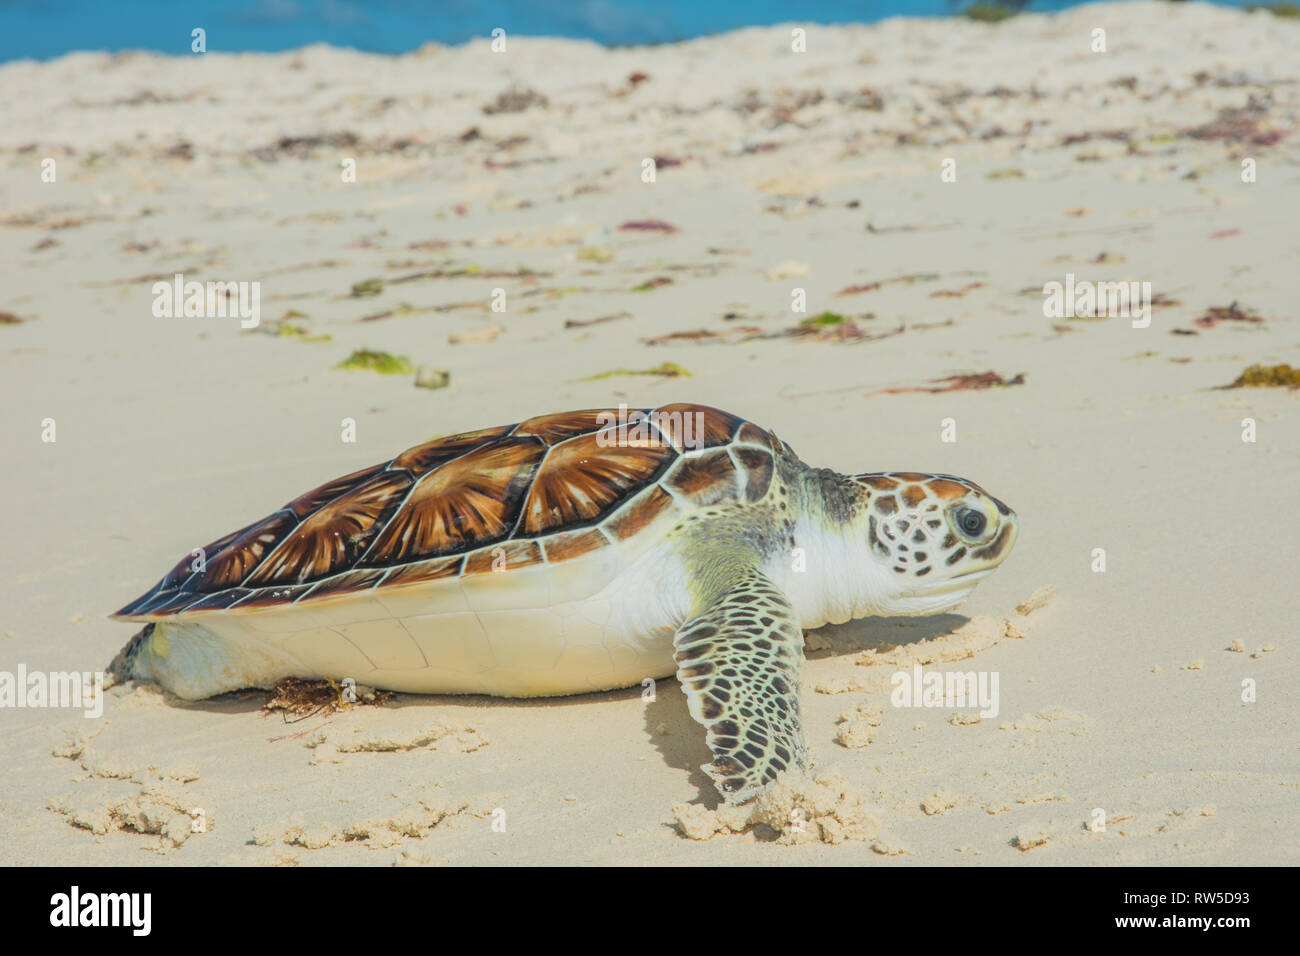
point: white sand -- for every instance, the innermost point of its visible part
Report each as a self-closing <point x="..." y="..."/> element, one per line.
<point x="171" y="432"/>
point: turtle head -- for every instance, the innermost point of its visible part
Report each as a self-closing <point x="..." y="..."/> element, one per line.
<point x="931" y="539"/>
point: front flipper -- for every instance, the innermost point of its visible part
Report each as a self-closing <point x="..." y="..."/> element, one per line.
<point x="739" y="663"/>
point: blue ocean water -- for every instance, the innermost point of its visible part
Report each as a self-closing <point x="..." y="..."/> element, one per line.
<point x="47" y="28"/>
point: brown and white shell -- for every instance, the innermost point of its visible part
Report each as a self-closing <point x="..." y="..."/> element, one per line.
<point x="550" y="489"/>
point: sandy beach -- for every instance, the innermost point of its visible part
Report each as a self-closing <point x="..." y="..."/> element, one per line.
<point x="563" y="226"/>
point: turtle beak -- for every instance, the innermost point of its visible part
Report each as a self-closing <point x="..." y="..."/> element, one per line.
<point x="986" y="558"/>
<point x="962" y="582"/>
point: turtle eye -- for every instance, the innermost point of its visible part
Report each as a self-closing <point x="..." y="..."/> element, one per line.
<point x="971" y="522"/>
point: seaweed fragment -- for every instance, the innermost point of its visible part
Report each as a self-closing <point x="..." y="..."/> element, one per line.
<point x="294" y="697"/>
<point x="654" y="283"/>
<point x="581" y="323"/>
<point x="823" y="320"/>
<point x="370" y="360"/>
<point x="515" y="100"/>
<point x="1268" y="376"/>
<point x="969" y="382"/>
<point x="1229" y="313"/>
<point x="649" y="225"/>
<point x="666" y="370"/>
<point x="367" y="287"/>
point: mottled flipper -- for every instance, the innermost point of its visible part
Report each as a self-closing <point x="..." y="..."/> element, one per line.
<point x="739" y="663"/>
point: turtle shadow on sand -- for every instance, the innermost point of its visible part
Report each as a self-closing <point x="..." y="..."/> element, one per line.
<point x="249" y="700"/>
<point x="877" y="633"/>
<point x="678" y="738"/>
<point x="681" y="741"/>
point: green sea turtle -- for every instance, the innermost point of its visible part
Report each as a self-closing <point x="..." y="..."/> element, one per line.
<point x="575" y="552"/>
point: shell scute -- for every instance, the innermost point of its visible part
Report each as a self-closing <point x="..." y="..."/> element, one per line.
<point x="184" y="568"/>
<point x="226" y="562"/>
<point x="689" y="426"/>
<point x="196" y="603"/>
<point x="420" y="572"/>
<point x="705" y="479"/>
<point x="332" y="538"/>
<point x="421" y="458"/>
<point x="752" y="434"/>
<point x="553" y="429"/>
<point x="234" y="562"/>
<point x="505" y="556"/>
<point x="582" y="481"/>
<point x="341" y="585"/>
<point x="567" y="545"/>
<point x="469" y="501"/>
<point x="638" y="515"/>
<point x="274" y="597"/>
<point x="308" y="502"/>
<point x="759" y="467"/>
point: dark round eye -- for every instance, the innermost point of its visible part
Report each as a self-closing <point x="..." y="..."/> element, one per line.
<point x="971" y="521"/>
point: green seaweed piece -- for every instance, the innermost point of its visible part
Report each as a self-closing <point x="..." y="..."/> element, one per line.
<point x="1268" y="376"/>
<point x="288" y="330"/>
<point x="367" y="287"/>
<point x="822" y="321"/>
<point x="666" y="370"/>
<point x="368" y="360"/>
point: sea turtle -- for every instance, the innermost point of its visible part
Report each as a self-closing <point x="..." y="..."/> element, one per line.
<point x="574" y="552"/>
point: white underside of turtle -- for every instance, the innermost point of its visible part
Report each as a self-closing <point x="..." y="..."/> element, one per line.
<point x="536" y="635"/>
<point x="533" y="560"/>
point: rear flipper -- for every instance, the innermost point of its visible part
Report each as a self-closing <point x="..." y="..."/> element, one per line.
<point x="739" y="663"/>
<point x="193" y="662"/>
<point x="119" y="669"/>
